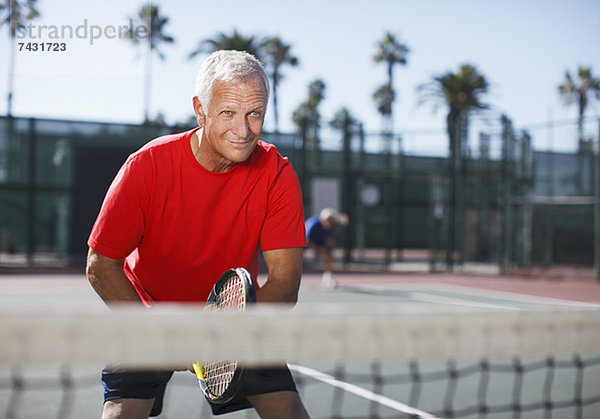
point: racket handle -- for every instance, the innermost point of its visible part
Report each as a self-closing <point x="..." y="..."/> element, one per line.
<point x="198" y="371"/>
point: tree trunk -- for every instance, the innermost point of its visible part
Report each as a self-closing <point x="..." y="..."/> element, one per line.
<point x="148" y="83"/>
<point x="275" y="107"/>
<point x="11" y="71"/>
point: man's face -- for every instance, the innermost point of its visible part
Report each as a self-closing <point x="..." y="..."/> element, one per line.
<point x="232" y="123"/>
<point x="328" y="222"/>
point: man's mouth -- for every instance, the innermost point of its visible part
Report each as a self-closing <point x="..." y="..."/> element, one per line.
<point x="239" y="143"/>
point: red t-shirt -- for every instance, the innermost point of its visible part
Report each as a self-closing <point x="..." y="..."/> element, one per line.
<point x="180" y="226"/>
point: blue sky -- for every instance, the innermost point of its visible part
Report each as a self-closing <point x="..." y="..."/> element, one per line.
<point x="522" y="47"/>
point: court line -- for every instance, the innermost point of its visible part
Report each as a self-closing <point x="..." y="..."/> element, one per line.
<point x="514" y="296"/>
<point x="436" y="299"/>
<point x="422" y="296"/>
<point x="509" y="296"/>
<point x="361" y="392"/>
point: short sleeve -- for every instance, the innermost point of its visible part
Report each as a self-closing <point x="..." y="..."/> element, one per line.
<point x="119" y="228"/>
<point x="284" y="221"/>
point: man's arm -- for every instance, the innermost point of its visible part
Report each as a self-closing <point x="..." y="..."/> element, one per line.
<point x="108" y="279"/>
<point x="283" y="281"/>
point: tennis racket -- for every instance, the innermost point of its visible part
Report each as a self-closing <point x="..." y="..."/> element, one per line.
<point x="219" y="380"/>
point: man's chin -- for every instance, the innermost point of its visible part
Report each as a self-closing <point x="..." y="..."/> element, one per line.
<point x="240" y="152"/>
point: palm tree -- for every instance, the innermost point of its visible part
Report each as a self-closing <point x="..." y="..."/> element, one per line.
<point x="391" y="52"/>
<point x="316" y="92"/>
<point x="384" y="97"/>
<point x="15" y="13"/>
<point x="276" y="53"/>
<point x="306" y="116"/>
<point x="150" y="18"/>
<point x="235" y="41"/>
<point x="571" y="92"/>
<point x="462" y="92"/>
<point x="343" y="119"/>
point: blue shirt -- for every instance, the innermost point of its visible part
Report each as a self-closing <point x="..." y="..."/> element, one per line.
<point x="315" y="232"/>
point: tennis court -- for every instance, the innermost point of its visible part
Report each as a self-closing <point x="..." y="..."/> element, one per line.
<point x="359" y="390"/>
<point x="478" y="292"/>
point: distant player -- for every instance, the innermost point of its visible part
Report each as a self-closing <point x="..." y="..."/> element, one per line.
<point x="320" y="235"/>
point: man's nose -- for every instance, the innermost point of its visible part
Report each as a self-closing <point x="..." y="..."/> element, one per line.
<point x="240" y="126"/>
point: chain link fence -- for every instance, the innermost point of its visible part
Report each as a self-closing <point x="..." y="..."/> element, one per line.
<point x="513" y="198"/>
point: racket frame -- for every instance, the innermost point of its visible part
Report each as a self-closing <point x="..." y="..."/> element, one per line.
<point x="249" y="297"/>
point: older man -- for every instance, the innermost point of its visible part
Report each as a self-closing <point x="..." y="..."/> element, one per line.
<point x="188" y="206"/>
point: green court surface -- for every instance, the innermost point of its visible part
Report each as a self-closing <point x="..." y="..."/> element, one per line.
<point x="357" y="391"/>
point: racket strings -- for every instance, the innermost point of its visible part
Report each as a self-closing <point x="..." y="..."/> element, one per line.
<point x="218" y="375"/>
<point x="231" y="296"/>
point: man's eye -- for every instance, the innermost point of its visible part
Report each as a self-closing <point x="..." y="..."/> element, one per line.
<point x="226" y="112"/>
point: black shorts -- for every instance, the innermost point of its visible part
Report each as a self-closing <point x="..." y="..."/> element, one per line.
<point x="151" y="384"/>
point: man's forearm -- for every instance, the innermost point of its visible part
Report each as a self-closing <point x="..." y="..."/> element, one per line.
<point x="284" y="272"/>
<point x="108" y="279"/>
<point x="273" y="292"/>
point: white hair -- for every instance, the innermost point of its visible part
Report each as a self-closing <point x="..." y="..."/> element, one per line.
<point x="226" y="66"/>
<point x="327" y="213"/>
<point x="337" y="217"/>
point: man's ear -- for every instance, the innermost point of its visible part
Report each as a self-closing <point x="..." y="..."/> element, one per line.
<point x="198" y="111"/>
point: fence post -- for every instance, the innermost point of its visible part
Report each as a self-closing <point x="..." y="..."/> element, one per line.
<point x="482" y="199"/>
<point x="304" y="177"/>
<point x="31" y="192"/>
<point x="461" y="179"/>
<point x="453" y="163"/>
<point x="525" y="190"/>
<point x="437" y="214"/>
<point x="507" y="215"/>
<point x="348" y="187"/>
<point x="400" y="183"/>
<point x="360" y="206"/>
<point x="597" y="208"/>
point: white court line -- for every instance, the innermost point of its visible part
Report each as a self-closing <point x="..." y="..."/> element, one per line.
<point x="361" y="392"/>
<point x="482" y="292"/>
<point x="436" y="299"/>
<point x="514" y="296"/>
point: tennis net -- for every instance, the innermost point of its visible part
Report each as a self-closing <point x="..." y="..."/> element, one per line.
<point x="349" y="361"/>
